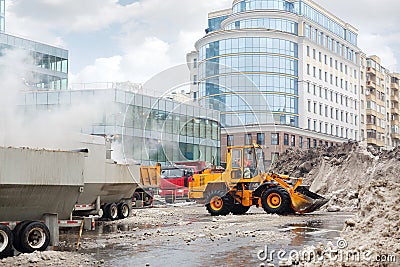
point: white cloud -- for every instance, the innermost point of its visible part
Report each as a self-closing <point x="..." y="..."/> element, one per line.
<point x="152" y="35"/>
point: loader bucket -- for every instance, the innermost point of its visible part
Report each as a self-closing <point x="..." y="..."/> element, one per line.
<point x="304" y="201"/>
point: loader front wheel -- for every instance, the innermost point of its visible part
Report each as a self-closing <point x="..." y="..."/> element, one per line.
<point x="217" y="203"/>
<point x="276" y="200"/>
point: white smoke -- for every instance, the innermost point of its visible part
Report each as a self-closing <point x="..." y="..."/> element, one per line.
<point x="50" y="128"/>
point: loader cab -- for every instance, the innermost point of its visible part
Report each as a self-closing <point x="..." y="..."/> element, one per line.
<point x="245" y="162"/>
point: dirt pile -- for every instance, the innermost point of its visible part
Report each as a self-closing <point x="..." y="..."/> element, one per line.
<point x="373" y="239"/>
<point x="340" y="172"/>
<point x="377" y="230"/>
<point x="50" y="258"/>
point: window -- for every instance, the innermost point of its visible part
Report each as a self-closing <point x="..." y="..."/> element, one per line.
<point x="308" y="69"/>
<point x="315" y="142"/>
<point x="286" y="139"/>
<point x="195" y="63"/>
<point x="301" y="141"/>
<point x="308" y="143"/>
<point x="314" y="72"/>
<point x="194" y="79"/>
<point x="275" y="139"/>
<point x="308" y="51"/>
<point x="309" y="106"/>
<point x="293" y="140"/>
<point x="229" y="139"/>
<point x="313" y="54"/>
<point x="320" y="57"/>
<point x="248" y="139"/>
<point x="308" y="87"/>
<point x="260" y="139"/>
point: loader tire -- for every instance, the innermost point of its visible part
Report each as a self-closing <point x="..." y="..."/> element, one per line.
<point x="239" y="209"/>
<point x="34" y="237"/>
<point x="276" y="200"/>
<point x="6" y="241"/>
<point x="218" y="203"/>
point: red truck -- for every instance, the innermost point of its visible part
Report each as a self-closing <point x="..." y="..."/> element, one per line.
<point x="175" y="181"/>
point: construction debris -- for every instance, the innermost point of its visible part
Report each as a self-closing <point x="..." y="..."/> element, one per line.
<point x="355" y="178"/>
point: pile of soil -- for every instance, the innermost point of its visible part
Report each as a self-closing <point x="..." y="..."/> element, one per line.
<point x="50" y="258"/>
<point x="339" y="172"/>
<point x="355" y="178"/>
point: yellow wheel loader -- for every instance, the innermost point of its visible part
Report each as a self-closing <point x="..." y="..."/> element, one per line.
<point x="245" y="183"/>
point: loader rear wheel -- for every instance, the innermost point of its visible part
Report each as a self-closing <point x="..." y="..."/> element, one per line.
<point x="6" y="240"/>
<point x="217" y="203"/>
<point x="239" y="209"/>
<point x="276" y="200"/>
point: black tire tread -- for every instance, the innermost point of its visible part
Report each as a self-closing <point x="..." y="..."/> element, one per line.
<point x="284" y="208"/>
<point x="227" y="203"/>
<point x="17" y="234"/>
<point x="24" y="235"/>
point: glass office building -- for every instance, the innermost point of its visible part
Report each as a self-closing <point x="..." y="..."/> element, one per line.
<point x="150" y="129"/>
<point x="50" y="64"/>
<point x="288" y="70"/>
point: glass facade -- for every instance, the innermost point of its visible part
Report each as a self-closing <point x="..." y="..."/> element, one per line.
<point x="276" y="24"/>
<point x="51" y="63"/>
<point x="214" y="24"/>
<point x="2" y="15"/>
<point x="300" y="8"/>
<point x="150" y="129"/>
<point x="251" y="80"/>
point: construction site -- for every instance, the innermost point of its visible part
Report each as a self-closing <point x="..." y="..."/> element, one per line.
<point x="356" y="224"/>
<point x="276" y="142"/>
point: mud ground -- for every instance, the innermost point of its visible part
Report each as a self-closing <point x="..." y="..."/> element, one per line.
<point x="185" y="235"/>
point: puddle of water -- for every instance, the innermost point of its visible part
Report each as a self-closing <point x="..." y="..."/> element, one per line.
<point x="241" y="251"/>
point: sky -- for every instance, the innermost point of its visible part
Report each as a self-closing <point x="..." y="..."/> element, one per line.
<point x="133" y="40"/>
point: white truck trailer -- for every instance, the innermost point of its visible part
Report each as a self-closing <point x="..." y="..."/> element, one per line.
<point x="38" y="188"/>
<point x="109" y="186"/>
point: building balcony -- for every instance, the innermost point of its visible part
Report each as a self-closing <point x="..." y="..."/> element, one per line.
<point x="394" y="86"/>
<point x="395" y="136"/>
<point x="394" y="97"/>
<point x="371" y="84"/>
<point x="371" y="70"/>
<point x="375" y="142"/>
<point x="395" y="110"/>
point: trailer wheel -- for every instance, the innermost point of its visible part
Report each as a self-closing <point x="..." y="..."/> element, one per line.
<point x="111" y="211"/>
<point x="6" y="241"/>
<point x="123" y="210"/>
<point x="34" y="237"/>
<point x="276" y="200"/>
<point x="218" y="203"/>
<point x="17" y="234"/>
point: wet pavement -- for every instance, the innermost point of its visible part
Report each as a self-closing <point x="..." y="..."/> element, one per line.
<point x="188" y="236"/>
